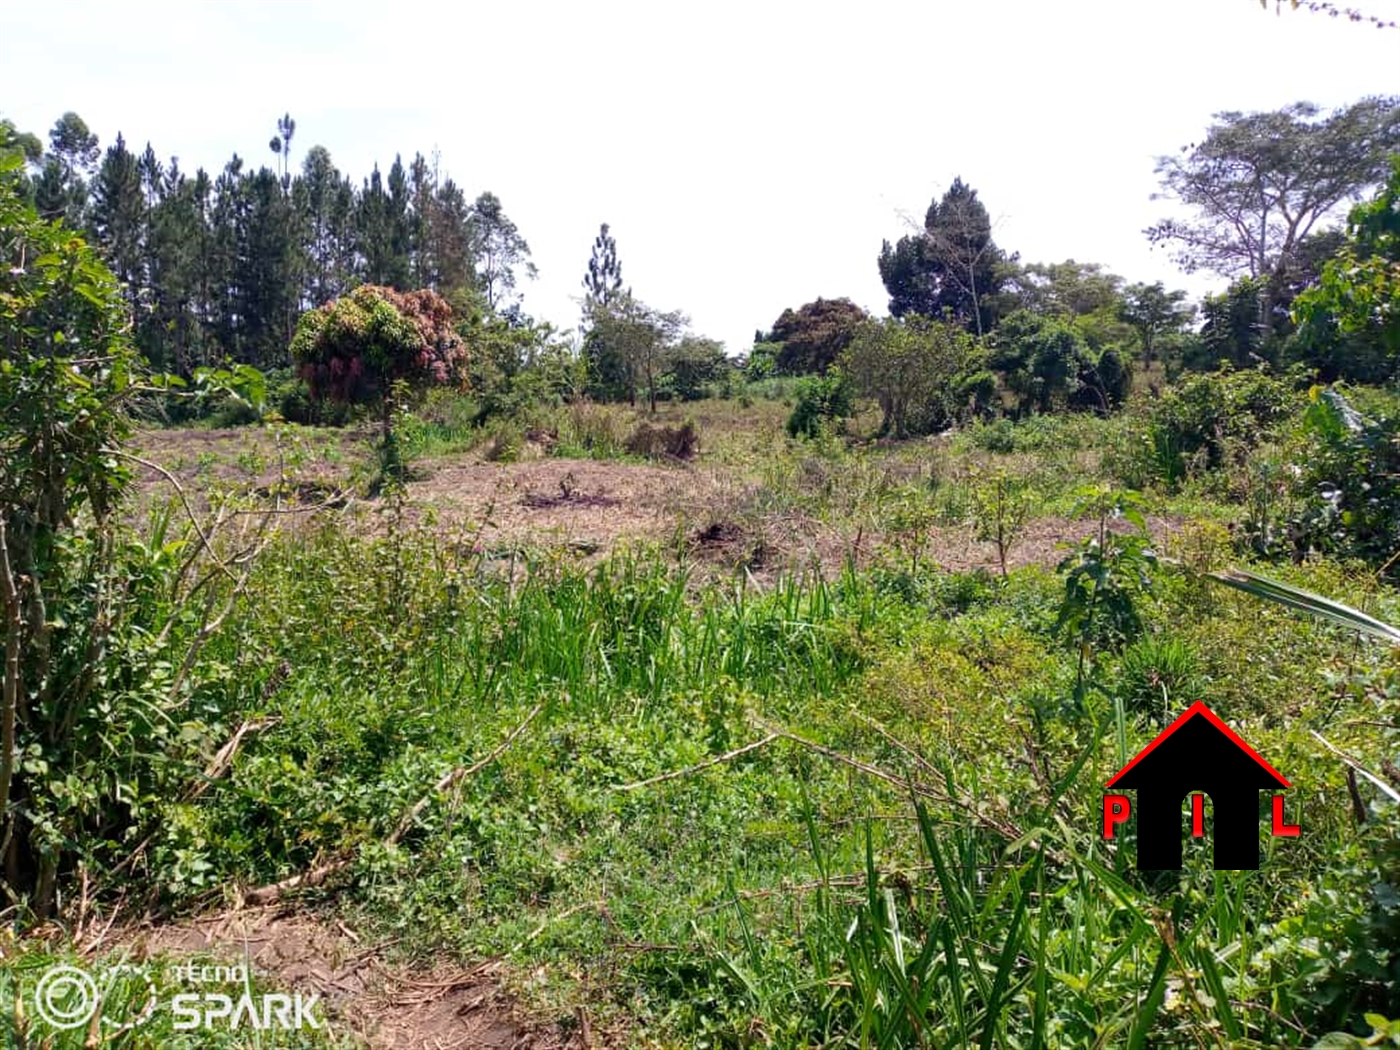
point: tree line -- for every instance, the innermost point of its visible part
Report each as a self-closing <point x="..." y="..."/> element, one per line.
<point x="220" y="266"/>
<point x="1261" y="197"/>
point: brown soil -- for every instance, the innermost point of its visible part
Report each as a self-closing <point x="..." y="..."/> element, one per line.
<point x="592" y="508"/>
<point x="385" y="1007"/>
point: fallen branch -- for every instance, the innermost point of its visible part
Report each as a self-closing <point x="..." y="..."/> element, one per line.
<point x="222" y="761"/>
<point x="316" y="876"/>
<point x="1354" y="764"/>
<point x="689" y="770"/>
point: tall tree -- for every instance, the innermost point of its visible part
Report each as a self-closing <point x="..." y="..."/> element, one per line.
<point x="950" y="267"/>
<point x="281" y="145"/>
<point x="500" y="250"/>
<point x="603" y="281"/>
<point x="118" y="219"/>
<point x="326" y="202"/>
<point x="61" y="190"/>
<point x="1259" y="183"/>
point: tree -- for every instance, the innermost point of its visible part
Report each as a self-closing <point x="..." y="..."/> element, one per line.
<point x="1261" y="182"/>
<point x="1041" y="359"/>
<point x="640" y="339"/>
<point x="914" y="368"/>
<point x="812" y="337"/>
<point x="61" y="189"/>
<point x="603" y="281"/>
<point x="1067" y="289"/>
<point x="694" y="362"/>
<point x="1358" y="295"/>
<point x="364" y="346"/>
<point x="1153" y="313"/>
<point x="951" y="266"/>
<point x="281" y="145"/>
<point x="118" y="218"/>
<point x="499" y="249"/>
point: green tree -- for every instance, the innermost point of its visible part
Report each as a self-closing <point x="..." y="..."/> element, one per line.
<point x="1154" y="313"/>
<point x="914" y="367"/>
<point x="281" y="145"/>
<point x="1041" y="359"/>
<point x="118" y="218"/>
<point x="603" y="281"/>
<point x="1357" y="299"/>
<point x="364" y="347"/>
<point x="500" y="250"/>
<point x="950" y="266"/>
<point x="640" y="339"/>
<point x="61" y="188"/>
<point x="695" y="361"/>
<point x="812" y="337"/>
<point x="1259" y="183"/>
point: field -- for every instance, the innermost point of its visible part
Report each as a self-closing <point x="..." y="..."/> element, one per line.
<point x="560" y="746"/>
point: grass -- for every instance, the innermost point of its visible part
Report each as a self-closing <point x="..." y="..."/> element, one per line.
<point x="850" y="809"/>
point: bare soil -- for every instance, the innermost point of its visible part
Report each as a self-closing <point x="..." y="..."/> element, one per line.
<point x="590" y="508"/>
<point x="384" y="1006"/>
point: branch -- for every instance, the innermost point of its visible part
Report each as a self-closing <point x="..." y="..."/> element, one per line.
<point x="9" y="705"/>
<point x="689" y="770"/>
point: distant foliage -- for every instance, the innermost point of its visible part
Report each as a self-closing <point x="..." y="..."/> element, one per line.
<point x="1205" y="422"/>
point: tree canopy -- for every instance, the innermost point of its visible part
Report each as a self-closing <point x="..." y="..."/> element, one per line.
<point x="812" y="337"/>
<point x="1260" y="183"/>
<point x="952" y="266"/>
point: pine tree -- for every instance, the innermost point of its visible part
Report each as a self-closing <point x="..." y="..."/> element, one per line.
<point x="119" y="216"/>
<point x="603" y="281"/>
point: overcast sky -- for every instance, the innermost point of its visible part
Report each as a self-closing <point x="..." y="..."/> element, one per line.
<point x="748" y="156"/>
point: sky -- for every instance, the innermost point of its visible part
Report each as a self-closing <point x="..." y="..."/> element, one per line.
<point x="748" y="156"/>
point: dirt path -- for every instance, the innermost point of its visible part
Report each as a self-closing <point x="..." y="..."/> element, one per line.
<point x="386" y="1007"/>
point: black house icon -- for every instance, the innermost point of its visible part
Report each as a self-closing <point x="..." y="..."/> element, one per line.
<point x="1198" y="752"/>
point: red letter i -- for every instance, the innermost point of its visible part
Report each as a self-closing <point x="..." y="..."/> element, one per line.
<point x="1198" y="816"/>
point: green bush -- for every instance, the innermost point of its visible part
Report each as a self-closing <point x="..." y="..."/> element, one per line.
<point x="820" y="399"/>
<point x="1202" y="423"/>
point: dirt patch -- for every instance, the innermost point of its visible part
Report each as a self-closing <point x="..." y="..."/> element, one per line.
<point x="1044" y="542"/>
<point x="568" y="495"/>
<point x="386" y="1007"/>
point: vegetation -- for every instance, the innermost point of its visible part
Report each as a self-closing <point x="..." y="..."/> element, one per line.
<point x="772" y="707"/>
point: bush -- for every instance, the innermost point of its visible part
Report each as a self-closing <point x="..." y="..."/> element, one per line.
<point x="1204" y="422"/>
<point x="658" y="441"/>
<point x="820" y="399"/>
<point x="1348" y="480"/>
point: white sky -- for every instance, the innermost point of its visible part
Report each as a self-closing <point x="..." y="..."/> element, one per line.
<point x="748" y="156"/>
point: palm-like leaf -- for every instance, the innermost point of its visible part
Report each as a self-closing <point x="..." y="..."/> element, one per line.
<point x="1302" y="601"/>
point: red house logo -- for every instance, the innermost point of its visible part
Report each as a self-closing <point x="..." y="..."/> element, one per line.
<point x="1197" y="753"/>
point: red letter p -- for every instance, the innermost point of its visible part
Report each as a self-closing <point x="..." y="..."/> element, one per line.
<point x="1116" y="809"/>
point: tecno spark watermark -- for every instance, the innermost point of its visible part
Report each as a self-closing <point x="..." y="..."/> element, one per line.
<point x="124" y="996"/>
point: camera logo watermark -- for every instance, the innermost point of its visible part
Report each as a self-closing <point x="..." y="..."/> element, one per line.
<point x="124" y="996"/>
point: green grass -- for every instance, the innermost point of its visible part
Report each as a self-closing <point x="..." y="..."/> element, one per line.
<point x="910" y="857"/>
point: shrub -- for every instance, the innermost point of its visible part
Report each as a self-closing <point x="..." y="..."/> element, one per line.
<point x="1348" y="480"/>
<point x="1158" y="675"/>
<point x="657" y="441"/>
<point x="1202" y="423"/>
<point x="820" y="399"/>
